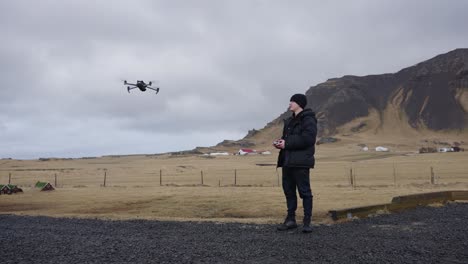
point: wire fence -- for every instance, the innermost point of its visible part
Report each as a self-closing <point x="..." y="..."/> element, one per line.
<point x="384" y="174"/>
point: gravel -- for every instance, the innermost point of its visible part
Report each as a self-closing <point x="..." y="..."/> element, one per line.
<point x="422" y="235"/>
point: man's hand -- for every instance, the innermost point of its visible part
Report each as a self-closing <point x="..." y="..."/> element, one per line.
<point x="279" y="143"/>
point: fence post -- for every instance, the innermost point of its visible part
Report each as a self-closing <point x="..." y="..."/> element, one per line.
<point x="55" y="180"/>
<point x="351" y="177"/>
<point x="201" y="173"/>
<point x="432" y="176"/>
<point x="219" y="182"/>
<point x="354" y="179"/>
<point x="235" y="177"/>
<point x="105" y="176"/>
<point x="160" y="177"/>
<point x="9" y="178"/>
<point x="394" y="175"/>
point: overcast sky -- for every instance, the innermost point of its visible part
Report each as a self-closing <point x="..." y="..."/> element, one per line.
<point x="224" y="67"/>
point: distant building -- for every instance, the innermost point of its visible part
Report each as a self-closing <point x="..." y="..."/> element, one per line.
<point x="381" y="149"/>
<point x="44" y="186"/>
<point x="4" y="189"/>
<point x="14" y="188"/>
<point x="245" y="151"/>
<point x="445" y="150"/>
<point x="219" y="154"/>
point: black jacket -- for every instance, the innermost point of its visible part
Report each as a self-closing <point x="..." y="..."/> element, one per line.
<point x="299" y="134"/>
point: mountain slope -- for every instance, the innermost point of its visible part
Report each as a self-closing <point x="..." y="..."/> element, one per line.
<point x="429" y="96"/>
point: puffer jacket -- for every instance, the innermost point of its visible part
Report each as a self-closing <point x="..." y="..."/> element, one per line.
<point x="299" y="134"/>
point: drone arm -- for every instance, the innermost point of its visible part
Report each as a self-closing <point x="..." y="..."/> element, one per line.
<point x="154" y="89"/>
<point x="130" y="88"/>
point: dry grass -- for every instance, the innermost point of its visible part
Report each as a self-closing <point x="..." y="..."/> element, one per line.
<point x="133" y="189"/>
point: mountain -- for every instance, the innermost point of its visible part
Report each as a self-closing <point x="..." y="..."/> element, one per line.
<point x="429" y="96"/>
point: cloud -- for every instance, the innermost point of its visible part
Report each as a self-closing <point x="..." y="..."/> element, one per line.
<point x="224" y="67"/>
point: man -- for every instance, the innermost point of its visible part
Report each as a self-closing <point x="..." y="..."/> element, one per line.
<point x="296" y="157"/>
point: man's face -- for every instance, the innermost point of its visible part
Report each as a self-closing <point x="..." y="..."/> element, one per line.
<point x="293" y="106"/>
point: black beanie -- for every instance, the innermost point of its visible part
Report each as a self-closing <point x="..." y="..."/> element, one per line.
<point x="300" y="99"/>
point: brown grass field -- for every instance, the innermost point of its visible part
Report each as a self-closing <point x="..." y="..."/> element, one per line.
<point x="234" y="188"/>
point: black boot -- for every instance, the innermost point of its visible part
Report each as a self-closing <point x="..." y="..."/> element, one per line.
<point x="307" y="227"/>
<point x="289" y="223"/>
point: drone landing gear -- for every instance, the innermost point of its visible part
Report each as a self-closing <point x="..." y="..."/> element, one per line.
<point x="128" y="89"/>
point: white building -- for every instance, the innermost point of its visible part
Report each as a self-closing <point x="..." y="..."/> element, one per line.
<point x="381" y="149"/>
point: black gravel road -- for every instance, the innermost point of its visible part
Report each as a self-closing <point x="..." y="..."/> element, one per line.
<point x="422" y="235"/>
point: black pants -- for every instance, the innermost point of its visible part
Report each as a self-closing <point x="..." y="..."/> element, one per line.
<point x="297" y="177"/>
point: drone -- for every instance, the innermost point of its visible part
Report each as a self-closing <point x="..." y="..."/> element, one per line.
<point x="140" y="85"/>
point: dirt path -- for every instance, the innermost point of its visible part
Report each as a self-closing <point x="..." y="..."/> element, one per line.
<point x="423" y="235"/>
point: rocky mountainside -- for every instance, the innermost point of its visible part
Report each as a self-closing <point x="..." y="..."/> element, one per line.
<point x="431" y="95"/>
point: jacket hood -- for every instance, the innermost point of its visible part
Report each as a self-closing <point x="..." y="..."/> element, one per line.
<point x="306" y="112"/>
<point x="301" y="115"/>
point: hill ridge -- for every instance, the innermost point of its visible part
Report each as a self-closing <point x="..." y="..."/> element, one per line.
<point x="430" y="95"/>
